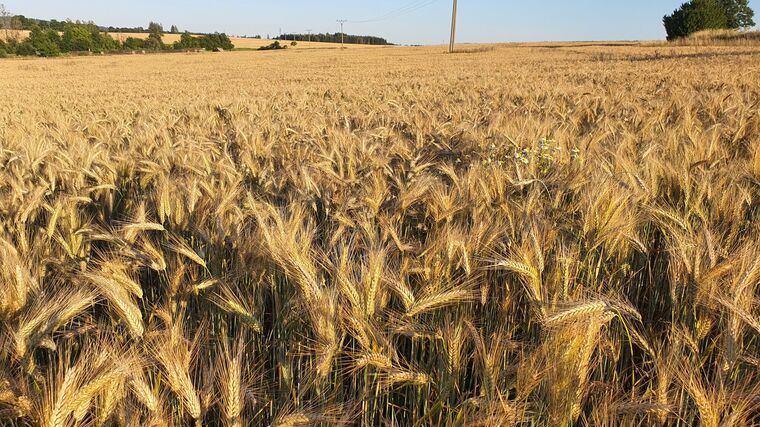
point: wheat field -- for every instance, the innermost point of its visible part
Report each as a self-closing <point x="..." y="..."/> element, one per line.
<point x="538" y="235"/>
<point x="239" y="42"/>
<point x="247" y="43"/>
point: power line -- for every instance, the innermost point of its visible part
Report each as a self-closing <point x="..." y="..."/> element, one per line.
<point x="396" y="13"/>
<point x="383" y="16"/>
<point x="404" y="10"/>
<point x="401" y="12"/>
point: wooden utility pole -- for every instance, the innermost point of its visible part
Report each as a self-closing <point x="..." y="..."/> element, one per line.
<point x="453" y="28"/>
<point x="342" y="34"/>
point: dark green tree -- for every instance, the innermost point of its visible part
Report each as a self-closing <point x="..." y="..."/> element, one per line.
<point x="675" y="23"/>
<point x="186" y="41"/>
<point x="208" y="41"/>
<point x="76" y="38"/>
<point x="41" y="43"/>
<point x="274" y="46"/>
<point x="739" y="14"/>
<point x="25" y="49"/>
<point x="155" y="36"/>
<point x="707" y="15"/>
<point x="174" y="30"/>
<point x="103" y="42"/>
<point x="54" y="37"/>
<point x="155" y="29"/>
<point x="695" y="15"/>
<point x="135" y="43"/>
<point x="216" y="40"/>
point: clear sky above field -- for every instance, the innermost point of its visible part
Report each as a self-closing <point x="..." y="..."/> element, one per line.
<point x="400" y="21"/>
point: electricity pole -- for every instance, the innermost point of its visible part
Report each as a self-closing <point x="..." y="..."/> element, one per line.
<point x="453" y="28"/>
<point x="309" y="32"/>
<point x="342" y="34"/>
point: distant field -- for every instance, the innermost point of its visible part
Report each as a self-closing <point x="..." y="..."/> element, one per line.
<point x="546" y="234"/>
<point x="240" y="43"/>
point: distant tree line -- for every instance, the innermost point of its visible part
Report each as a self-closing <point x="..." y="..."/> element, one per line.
<point x="53" y="40"/>
<point x="334" y="38"/>
<point x="21" y="22"/>
<point x="110" y="29"/>
<point x="699" y="15"/>
<point x="28" y="24"/>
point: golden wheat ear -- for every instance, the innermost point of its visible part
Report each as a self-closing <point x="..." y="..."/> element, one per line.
<point x="342" y="414"/>
<point x="175" y="355"/>
<point x="234" y="379"/>
<point x="441" y="299"/>
<point x="143" y="392"/>
<point x="16" y="281"/>
<point x="180" y="247"/>
<point x="709" y="402"/>
<point x="71" y="391"/>
<point x="238" y="302"/>
<point x="47" y="314"/>
<point x="118" y="291"/>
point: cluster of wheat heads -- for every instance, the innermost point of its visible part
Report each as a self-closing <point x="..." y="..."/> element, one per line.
<point x="569" y="243"/>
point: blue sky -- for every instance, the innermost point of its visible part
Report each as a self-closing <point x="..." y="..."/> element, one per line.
<point x="479" y="20"/>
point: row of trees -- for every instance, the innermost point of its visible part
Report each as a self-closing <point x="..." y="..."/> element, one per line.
<point x="50" y="42"/>
<point x="21" y="22"/>
<point x="174" y="29"/>
<point x="699" y="15"/>
<point x="334" y="38"/>
<point x="89" y="38"/>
